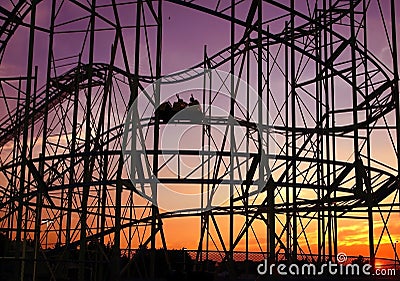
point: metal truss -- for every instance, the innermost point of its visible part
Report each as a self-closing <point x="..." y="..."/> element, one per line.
<point x="333" y="119"/>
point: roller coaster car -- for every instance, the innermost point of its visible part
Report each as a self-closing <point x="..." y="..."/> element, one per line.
<point x="193" y="110"/>
<point x="179" y="105"/>
<point x="194" y="102"/>
<point x="164" y="111"/>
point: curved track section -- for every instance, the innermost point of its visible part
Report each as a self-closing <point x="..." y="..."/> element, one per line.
<point x="332" y="102"/>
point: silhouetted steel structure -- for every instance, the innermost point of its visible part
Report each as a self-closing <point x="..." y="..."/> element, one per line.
<point x="333" y="103"/>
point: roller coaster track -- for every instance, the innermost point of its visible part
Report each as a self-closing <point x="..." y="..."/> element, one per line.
<point x="340" y="204"/>
<point x="62" y="86"/>
<point x="379" y="103"/>
<point x="11" y="20"/>
<point x="60" y="89"/>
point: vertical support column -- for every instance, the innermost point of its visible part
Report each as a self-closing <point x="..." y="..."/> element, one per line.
<point x="208" y="163"/>
<point x="367" y="112"/>
<point x="396" y="78"/>
<point x="199" y="255"/>
<point x="327" y="18"/>
<point x="320" y="141"/>
<point x="103" y="209"/>
<point x="38" y="220"/>
<point x="246" y="199"/>
<point x="287" y="189"/>
<point x="332" y="88"/>
<point x="29" y="183"/>
<point x="260" y="94"/>
<point x="260" y="91"/>
<point x="44" y="137"/>
<point x="293" y="139"/>
<point x="103" y="163"/>
<point x="73" y="155"/>
<point x="14" y="170"/>
<point x="396" y="87"/>
<point x="86" y="157"/>
<point x="232" y="136"/>
<point x="154" y="208"/>
<point x="359" y="183"/>
<point x="271" y="187"/>
<point x="20" y="272"/>
<point x="135" y="93"/>
<point x="354" y="81"/>
<point x="207" y="219"/>
<point x="317" y="107"/>
<point x="117" y="234"/>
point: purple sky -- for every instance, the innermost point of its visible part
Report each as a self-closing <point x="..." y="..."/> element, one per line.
<point x="184" y="35"/>
<point x="185" y="32"/>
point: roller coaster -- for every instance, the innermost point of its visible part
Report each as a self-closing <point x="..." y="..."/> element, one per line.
<point x="309" y="145"/>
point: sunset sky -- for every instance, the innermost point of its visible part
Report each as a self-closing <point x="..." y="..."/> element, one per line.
<point x="185" y="33"/>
